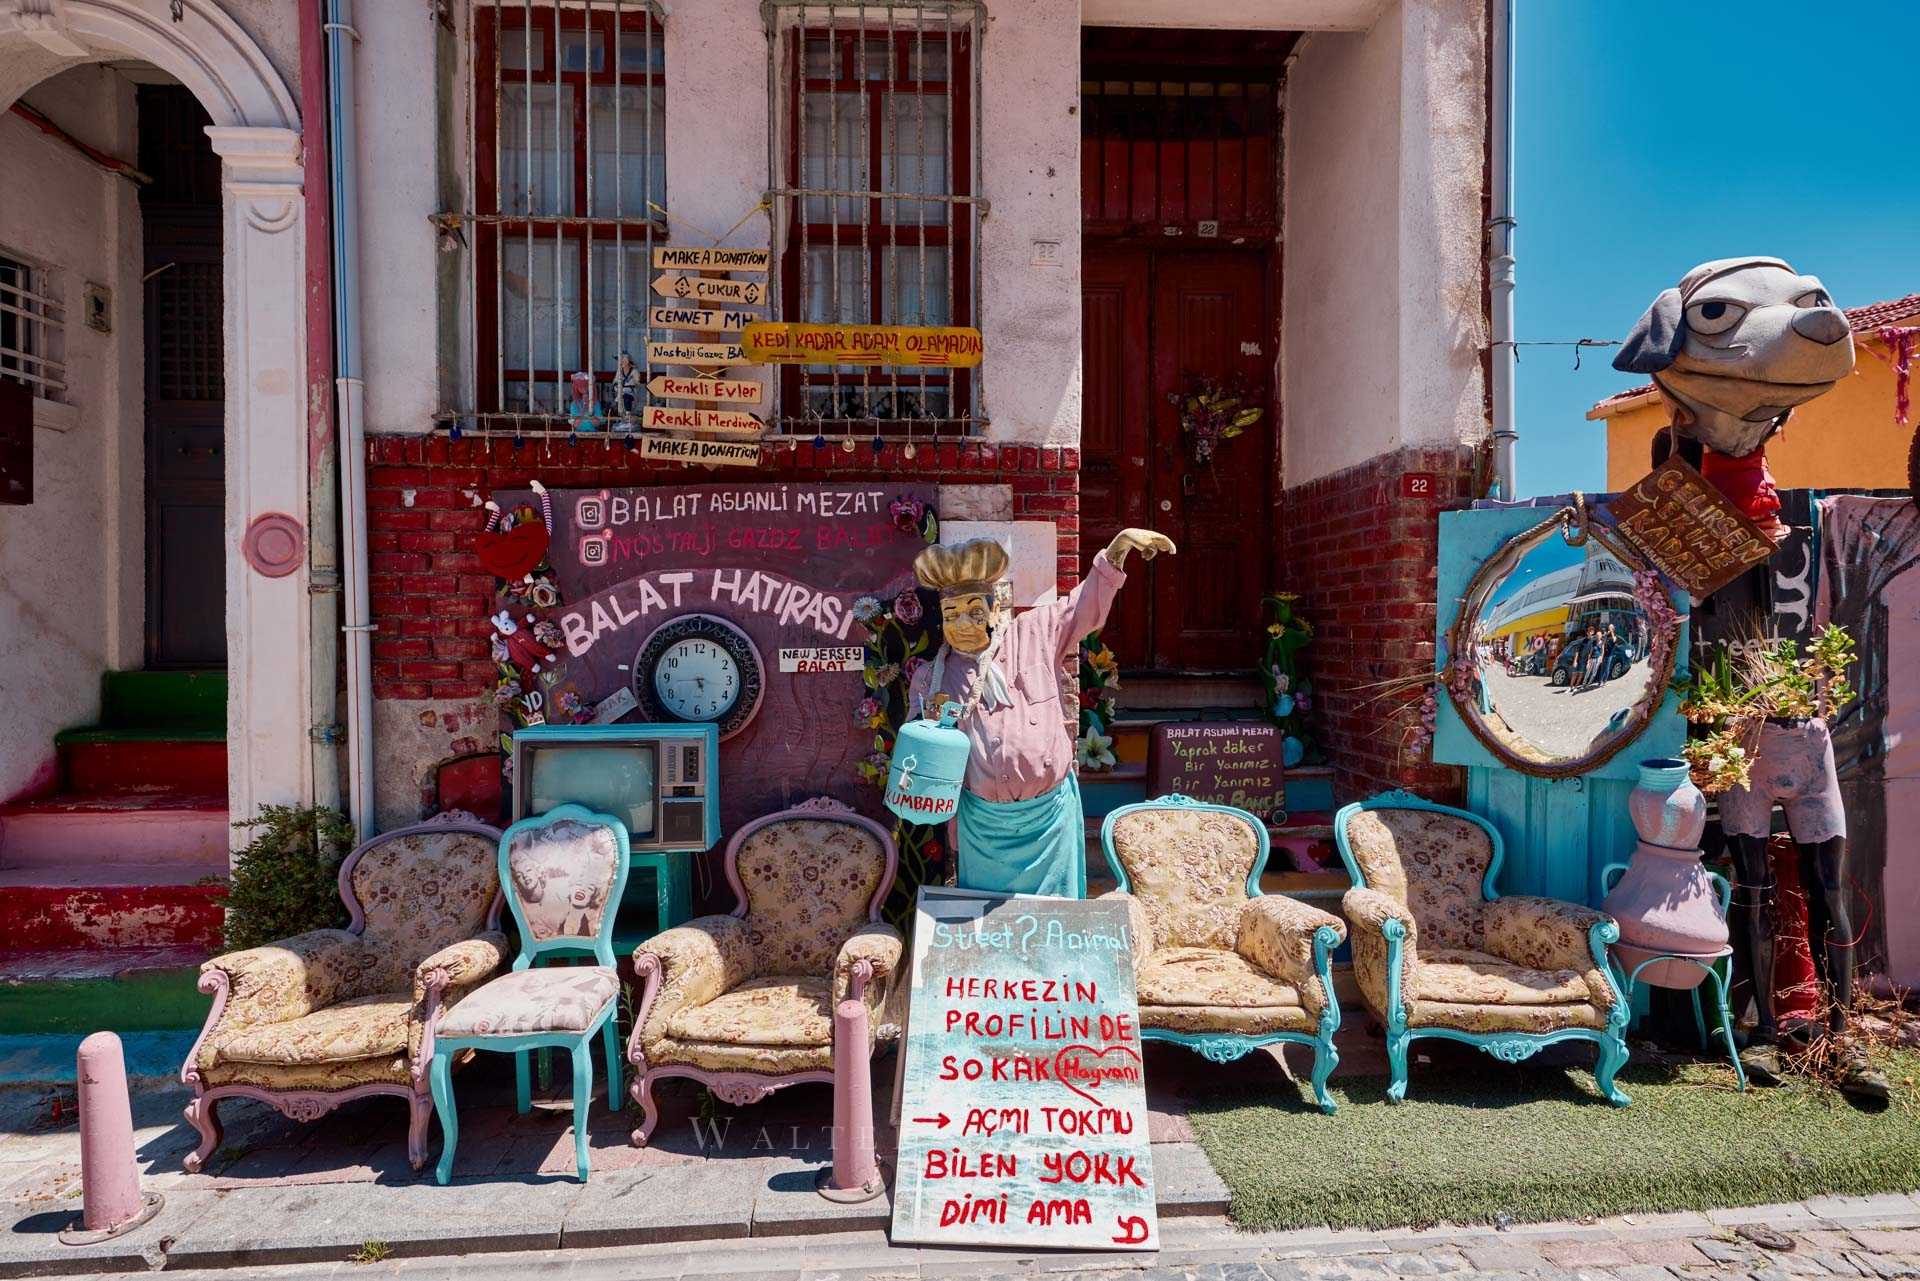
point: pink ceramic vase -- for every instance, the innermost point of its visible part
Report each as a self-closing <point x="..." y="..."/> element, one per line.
<point x="1666" y="902"/>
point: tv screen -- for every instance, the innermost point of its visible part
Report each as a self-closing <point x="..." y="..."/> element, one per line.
<point x="609" y="778"/>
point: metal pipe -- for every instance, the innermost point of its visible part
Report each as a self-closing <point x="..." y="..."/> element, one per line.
<point x="1500" y="249"/>
<point x="351" y="392"/>
<point x="323" y="494"/>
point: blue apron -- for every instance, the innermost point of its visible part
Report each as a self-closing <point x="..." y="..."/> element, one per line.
<point x="1036" y="846"/>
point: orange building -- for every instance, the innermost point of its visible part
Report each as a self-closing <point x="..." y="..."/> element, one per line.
<point x="1847" y="439"/>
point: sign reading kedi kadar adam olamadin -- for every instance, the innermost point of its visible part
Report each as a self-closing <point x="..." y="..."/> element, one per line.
<point x="1023" y="1115"/>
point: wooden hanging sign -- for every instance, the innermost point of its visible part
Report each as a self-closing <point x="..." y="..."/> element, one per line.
<point x="1689" y="529"/>
<point x="711" y="258"/>
<point x="725" y="391"/>
<point x="716" y="320"/>
<point x="743" y="293"/>
<point x="776" y="343"/>
<point x="709" y="453"/>
<point x="735" y="422"/>
<point x="702" y="354"/>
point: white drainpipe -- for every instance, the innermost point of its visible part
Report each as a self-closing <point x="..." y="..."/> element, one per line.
<point x="1500" y="250"/>
<point x="350" y="396"/>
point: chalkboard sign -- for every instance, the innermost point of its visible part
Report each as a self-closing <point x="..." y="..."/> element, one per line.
<point x="1237" y="763"/>
<point x="1023" y="1117"/>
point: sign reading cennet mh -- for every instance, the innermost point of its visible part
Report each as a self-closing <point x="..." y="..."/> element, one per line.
<point x="715" y="320"/>
<point x="780" y="343"/>
<point x="711" y="258"/>
<point x="744" y="293"/>
<point x="729" y="391"/>
<point x="1023" y="1115"/>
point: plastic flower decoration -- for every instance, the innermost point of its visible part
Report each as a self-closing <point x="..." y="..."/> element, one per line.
<point x="906" y="607"/>
<point x="1212" y="412"/>
<point x="867" y="608"/>
<point x="1094" y="751"/>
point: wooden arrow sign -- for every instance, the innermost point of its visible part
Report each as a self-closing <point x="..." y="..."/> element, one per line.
<point x="745" y="293"/>
<point x="713" y="258"/>
<point x="713" y="320"/>
<point x="729" y="422"/>
<point x="696" y="353"/>
<point x="707" y="453"/>
<point x="726" y="391"/>
<point x="908" y="345"/>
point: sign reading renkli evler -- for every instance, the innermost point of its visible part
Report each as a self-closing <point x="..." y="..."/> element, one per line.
<point x="1689" y="529"/>
<point x="1242" y="764"/>
<point x="1023" y="1113"/>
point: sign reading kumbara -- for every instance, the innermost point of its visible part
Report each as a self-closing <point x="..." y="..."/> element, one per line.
<point x="1023" y="1114"/>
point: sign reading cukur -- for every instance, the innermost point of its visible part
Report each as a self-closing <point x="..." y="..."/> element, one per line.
<point x="1023" y="1116"/>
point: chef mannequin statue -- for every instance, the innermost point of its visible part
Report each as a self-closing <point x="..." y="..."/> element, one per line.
<point x="1019" y="828"/>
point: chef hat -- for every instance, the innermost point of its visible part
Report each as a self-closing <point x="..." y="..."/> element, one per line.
<point x="962" y="569"/>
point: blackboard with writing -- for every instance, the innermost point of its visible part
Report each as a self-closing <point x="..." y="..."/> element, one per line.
<point x="1023" y="1114"/>
<point x="1235" y="763"/>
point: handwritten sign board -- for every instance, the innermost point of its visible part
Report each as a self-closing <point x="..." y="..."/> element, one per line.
<point x="794" y="344"/>
<point x="701" y="354"/>
<point x="711" y="258"/>
<point x="1689" y="529"/>
<point x="782" y="562"/>
<point x="1023" y="1117"/>
<point x="1238" y="763"/>
<point x="707" y="453"/>
<point x="731" y="391"/>
<point x="744" y="293"/>
<point x="732" y="422"/>
<point x="828" y="658"/>
<point x="717" y="320"/>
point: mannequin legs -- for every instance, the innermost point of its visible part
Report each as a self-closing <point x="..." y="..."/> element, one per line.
<point x="1823" y="881"/>
<point x="1753" y="903"/>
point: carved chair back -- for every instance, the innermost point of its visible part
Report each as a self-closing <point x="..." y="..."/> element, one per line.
<point x="564" y="872"/>
<point x="418" y="889"/>
<point x="1191" y="865"/>
<point x="805" y="879"/>
<point x="1439" y="861"/>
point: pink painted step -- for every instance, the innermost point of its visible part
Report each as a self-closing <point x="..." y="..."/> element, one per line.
<point x="106" y="765"/>
<point x="144" y="825"/>
<point x="174" y="905"/>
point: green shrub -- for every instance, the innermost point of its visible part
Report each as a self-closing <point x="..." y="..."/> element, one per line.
<point x="287" y="880"/>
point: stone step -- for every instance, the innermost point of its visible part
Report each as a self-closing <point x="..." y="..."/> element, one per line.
<point x="164" y="700"/>
<point x="97" y="761"/>
<point x="82" y="990"/>
<point x="113" y="905"/>
<point x="143" y="825"/>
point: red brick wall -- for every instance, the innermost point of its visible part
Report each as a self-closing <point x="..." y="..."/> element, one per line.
<point x="1364" y="560"/>
<point x="431" y="598"/>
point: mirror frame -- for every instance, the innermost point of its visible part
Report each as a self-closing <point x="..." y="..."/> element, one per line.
<point x="1573" y="525"/>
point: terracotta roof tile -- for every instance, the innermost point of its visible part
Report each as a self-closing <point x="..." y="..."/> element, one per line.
<point x="1863" y="319"/>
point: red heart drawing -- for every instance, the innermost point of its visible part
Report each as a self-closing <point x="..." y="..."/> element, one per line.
<point x="514" y="554"/>
<point x="1070" y="1065"/>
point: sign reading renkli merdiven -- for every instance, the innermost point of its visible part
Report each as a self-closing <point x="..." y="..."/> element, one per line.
<point x="1023" y="1115"/>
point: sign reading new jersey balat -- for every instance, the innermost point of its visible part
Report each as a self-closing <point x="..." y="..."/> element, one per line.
<point x="1023" y="1117"/>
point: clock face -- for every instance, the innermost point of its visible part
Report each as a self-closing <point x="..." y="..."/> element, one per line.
<point x="699" y="668"/>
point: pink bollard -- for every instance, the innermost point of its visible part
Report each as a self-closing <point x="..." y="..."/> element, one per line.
<point x="855" y="1175"/>
<point x="109" y="1180"/>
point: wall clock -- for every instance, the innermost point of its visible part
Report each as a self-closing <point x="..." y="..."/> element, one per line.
<point x="699" y="668"/>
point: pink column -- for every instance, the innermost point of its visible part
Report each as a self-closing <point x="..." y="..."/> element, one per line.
<point x="855" y="1176"/>
<point x="110" y="1183"/>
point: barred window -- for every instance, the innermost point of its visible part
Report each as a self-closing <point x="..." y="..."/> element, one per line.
<point x="875" y="175"/>
<point x="566" y="162"/>
<point x="32" y="330"/>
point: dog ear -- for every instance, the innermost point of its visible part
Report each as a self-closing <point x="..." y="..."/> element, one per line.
<point x="1657" y="339"/>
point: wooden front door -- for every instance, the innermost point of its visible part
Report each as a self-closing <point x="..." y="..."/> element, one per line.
<point x="1154" y="321"/>
<point x="185" y="385"/>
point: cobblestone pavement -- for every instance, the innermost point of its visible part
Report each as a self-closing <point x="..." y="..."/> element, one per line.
<point x="1856" y="1238"/>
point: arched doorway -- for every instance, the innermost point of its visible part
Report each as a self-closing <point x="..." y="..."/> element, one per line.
<point x="268" y="450"/>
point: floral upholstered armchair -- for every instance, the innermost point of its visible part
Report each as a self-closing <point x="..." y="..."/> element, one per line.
<point x="1220" y="967"/>
<point x="744" y="1003"/>
<point x="1439" y="953"/>
<point x="307" y="1023"/>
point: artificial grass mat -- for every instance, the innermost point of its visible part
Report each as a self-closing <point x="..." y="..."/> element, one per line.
<point x="1482" y="1141"/>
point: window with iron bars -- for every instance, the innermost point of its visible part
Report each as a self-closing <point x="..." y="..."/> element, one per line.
<point x="566" y="163"/>
<point x="874" y="159"/>
<point x="32" y="330"/>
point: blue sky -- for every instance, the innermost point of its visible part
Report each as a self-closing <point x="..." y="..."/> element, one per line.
<point x="1652" y="136"/>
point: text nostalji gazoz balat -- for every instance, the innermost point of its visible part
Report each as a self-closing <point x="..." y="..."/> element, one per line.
<point x="1023" y="1107"/>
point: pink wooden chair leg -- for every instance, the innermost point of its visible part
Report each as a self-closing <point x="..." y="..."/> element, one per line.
<point x="201" y="1116"/>
<point x="420" y="1118"/>
<point x="642" y="1092"/>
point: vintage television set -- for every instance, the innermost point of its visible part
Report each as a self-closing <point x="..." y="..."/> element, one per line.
<point x="657" y="779"/>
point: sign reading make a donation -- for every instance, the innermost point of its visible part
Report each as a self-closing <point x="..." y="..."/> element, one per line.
<point x="1023" y="1114"/>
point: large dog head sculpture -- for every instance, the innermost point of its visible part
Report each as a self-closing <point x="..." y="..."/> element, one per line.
<point x="1737" y="346"/>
